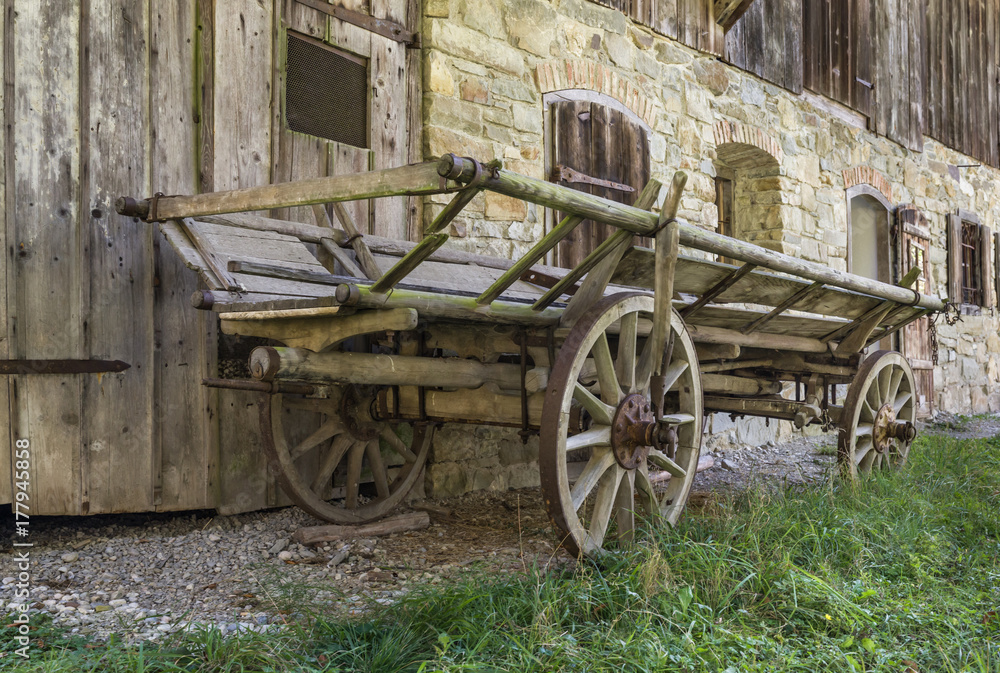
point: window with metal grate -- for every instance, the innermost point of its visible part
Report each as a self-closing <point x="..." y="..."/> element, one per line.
<point x="326" y="91"/>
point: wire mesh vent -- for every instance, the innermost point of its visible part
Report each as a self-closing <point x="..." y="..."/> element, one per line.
<point x="326" y="92"/>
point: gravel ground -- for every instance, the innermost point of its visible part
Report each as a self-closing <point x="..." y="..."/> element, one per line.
<point x="144" y="576"/>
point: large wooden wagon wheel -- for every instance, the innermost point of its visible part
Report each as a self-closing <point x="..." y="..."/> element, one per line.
<point x="598" y="416"/>
<point x="876" y="425"/>
<point x="324" y="471"/>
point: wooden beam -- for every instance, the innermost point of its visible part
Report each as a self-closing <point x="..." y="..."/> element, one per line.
<point x="719" y="335"/>
<point x="611" y="249"/>
<point x="316" y="330"/>
<point x="407" y="264"/>
<point x="645" y="223"/>
<point x="549" y="241"/>
<point x="858" y="332"/>
<point x="783" y="306"/>
<point x="728" y="12"/>
<point x="403" y="181"/>
<point x="268" y="363"/>
<point x="439" y="306"/>
<point x="718" y="289"/>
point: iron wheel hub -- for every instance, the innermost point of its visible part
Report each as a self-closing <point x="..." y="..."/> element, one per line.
<point x="632" y="430"/>
<point x="355" y="412"/>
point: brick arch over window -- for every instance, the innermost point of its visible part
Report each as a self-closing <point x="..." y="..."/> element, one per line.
<point x="741" y="146"/>
<point x="865" y="175"/>
<point x="577" y="74"/>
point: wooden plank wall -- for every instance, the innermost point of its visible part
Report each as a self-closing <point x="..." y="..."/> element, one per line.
<point x="767" y="41"/>
<point x="962" y="66"/>
<point x="7" y="440"/>
<point x="117" y="290"/>
<point x="691" y="22"/>
<point x="43" y="226"/>
<point x="185" y="450"/>
<point x="242" y="158"/>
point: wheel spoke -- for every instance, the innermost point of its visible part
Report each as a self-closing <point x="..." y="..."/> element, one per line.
<point x="592" y="473"/>
<point x="862" y="449"/>
<point x="867" y="413"/>
<point x="598" y="410"/>
<point x="624" y="508"/>
<point x="324" y="432"/>
<point x="330" y="462"/>
<point x="897" y="378"/>
<point x="901" y="400"/>
<point x="674" y="373"/>
<point x="599" y="436"/>
<point x="607" y="493"/>
<point x="354" y="474"/>
<point x="872" y="396"/>
<point x="658" y="458"/>
<point x="646" y="491"/>
<point x="625" y="366"/>
<point x="397" y="444"/>
<point x="677" y="419"/>
<point x="884" y="381"/>
<point x="863" y="429"/>
<point x="378" y="468"/>
<point x="611" y="392"/>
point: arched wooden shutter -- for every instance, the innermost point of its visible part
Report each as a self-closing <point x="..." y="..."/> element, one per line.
<point x="917" y="341"/>
<point x="598" y="145"/>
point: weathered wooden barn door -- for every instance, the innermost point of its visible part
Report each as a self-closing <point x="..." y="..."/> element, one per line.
<point x="918" y="342"/>
<point x="341" y="101"/>
<point x="302" y="89"/>
<point x="599" y="150"/>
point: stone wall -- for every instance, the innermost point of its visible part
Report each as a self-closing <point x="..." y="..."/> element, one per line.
<point x="487" y="70"/>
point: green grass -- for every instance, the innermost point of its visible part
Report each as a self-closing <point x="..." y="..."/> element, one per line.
<point x="899" y="572"/>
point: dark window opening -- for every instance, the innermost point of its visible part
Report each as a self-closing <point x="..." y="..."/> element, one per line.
<point x="724" y="204"/>
<point x="971" y="273"/>
<point x="326" y="91"/>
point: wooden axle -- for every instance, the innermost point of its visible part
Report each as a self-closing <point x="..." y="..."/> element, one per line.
<point x="268" y="363"/>
<point x="771" y="408"/>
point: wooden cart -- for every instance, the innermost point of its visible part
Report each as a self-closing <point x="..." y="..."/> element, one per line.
<point x="614" y="363"/>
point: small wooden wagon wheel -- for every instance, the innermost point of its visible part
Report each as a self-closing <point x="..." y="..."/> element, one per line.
<point x="876" y="425"/>
<point x="323" y="472"/>
<point x="598" y="416"/>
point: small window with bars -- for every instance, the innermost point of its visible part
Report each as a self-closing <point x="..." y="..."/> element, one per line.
<point x="326" y="91"/>
<point x="970" y="261"/>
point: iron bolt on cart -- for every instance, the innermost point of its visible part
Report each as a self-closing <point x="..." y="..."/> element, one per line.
<point x="614" y="363"/>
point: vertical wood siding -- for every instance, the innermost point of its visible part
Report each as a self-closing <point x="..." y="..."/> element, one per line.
<point x="43" y="226"/>
<point x="117" y="290"/>
<point x="691" y="22"/>
<point x="6" y="261"/>
<point x="184" y="454"/>
<point x="767" y="41"/>
<point x="962" y="65"/>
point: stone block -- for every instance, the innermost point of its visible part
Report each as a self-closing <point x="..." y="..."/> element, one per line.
<point x="712" y="75"/>
<point x="527" y="118"/>
<point x="475" y="90"/>
<point x="514" y="89"/>
<point x="620" y="50"/>
<point x="470" y="44"/>
<point x="669" y="52"/>
<point x="436" y="9"/>
<point x="484" y="17"/>
<point x="445" y="480"/>
<point x="458" y="115"/>
<point x="500" y="207"/>
<point x="591" y="14"/>
<point x="438" y="141"/>
<point x="439" y="78"/>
